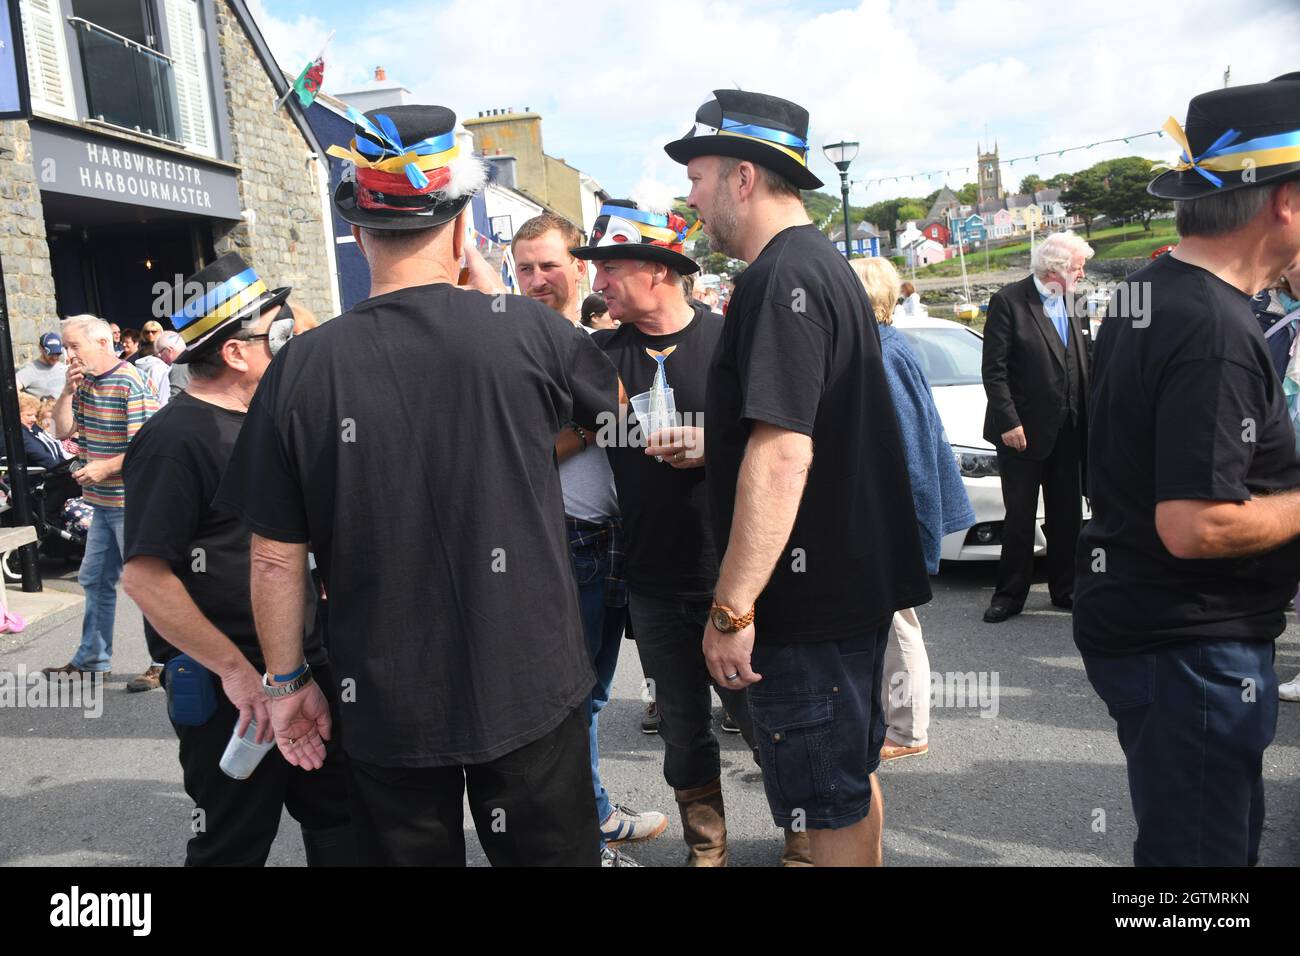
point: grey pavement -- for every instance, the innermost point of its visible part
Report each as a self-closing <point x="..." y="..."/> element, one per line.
<point x="1028" y="786"/>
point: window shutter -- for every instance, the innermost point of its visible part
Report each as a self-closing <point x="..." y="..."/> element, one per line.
<point x="47" y="58"/>
<point x="188" y="49"/>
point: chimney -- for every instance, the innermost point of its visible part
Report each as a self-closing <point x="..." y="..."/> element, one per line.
<point x="503" y="168"/>
<point x="380" y="74"/>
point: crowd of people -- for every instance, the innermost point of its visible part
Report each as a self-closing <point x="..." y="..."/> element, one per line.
<point x="729" y="494"/>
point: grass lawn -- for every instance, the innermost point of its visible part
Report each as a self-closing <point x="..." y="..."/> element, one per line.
<point x="1116" y="242"/>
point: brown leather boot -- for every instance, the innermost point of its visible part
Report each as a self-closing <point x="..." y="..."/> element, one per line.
<point x="704" y="824"/>
<point x="798" y="849"/>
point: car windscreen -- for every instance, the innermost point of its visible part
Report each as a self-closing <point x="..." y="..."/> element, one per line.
<point x="948" y="356"/>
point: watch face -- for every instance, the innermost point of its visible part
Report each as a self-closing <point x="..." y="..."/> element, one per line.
<point x="721" y="621"/>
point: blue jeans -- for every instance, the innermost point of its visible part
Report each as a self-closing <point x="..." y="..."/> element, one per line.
<point x="1194" y="721"/>
<point x="603" y="627"/>
<point x="101" y="569"/>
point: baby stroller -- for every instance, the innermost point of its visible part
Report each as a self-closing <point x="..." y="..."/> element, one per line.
<point x="60" y="525"/>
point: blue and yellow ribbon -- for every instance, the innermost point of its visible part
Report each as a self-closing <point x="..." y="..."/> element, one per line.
<point x="1226" y="155"/>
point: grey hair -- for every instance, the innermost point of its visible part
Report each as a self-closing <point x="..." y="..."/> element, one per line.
<point x="1221" y="212"/>
<point x="169" y="340"/>
<point x="92" y="326"/>
<point x="1055" y="252"/>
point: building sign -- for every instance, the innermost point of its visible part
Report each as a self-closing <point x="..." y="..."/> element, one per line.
<point x="82" y="164"/>
<point x="13" y="68"/>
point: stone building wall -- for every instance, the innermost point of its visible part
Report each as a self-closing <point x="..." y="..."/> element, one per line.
<point x="29" y="282"/>
<point x="283" y="238"/>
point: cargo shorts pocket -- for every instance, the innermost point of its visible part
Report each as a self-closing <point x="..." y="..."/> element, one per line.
<point x="796" y="747"/>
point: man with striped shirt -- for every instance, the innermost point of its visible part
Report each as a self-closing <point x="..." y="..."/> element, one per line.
<point x="104" y="403"/>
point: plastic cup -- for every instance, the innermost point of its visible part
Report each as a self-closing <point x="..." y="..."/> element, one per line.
<point x="650" y="423"/>
<point x="243" y="754"/>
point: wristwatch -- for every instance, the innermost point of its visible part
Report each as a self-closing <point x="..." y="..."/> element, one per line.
<point x="726" y="621"/>
<point x="284" y="690"/>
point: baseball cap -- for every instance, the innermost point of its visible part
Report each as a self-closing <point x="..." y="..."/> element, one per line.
<point x="51" y="343"/>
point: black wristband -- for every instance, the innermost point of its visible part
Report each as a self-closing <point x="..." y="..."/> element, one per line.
<point x="582" y="435"/>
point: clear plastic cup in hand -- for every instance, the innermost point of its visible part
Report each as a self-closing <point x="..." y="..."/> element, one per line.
<point x="653" y="416"/>
<point x="243" y="754"/>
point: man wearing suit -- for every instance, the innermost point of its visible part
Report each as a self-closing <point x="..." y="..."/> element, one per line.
<point x="1035" y="368"/>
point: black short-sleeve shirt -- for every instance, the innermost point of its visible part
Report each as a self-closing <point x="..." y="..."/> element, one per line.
<point x="171" y="470"/>
<point x="411" y="440"/>
<point x="800" y="350"/>
<point x="668" y="535"/>
<point x="1185" y="406"/>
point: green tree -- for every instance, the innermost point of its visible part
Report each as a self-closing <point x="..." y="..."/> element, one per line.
<point x="969" y="194"/>
<point x="1085" y="195"/>
<point x="1032" y="183"/>
<point x="1124" y="191"/>
<point x="1059" y="181"/>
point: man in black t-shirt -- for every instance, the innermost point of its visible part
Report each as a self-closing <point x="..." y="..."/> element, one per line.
<point x="187" y="569"/>
<point x="817" y="555"/>
<point x="411" y="441"/>
<point x="1185" y="570"/>
<point x="670" y="562"/>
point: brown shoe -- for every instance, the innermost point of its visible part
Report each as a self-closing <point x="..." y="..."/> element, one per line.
<point x="704" y="824"/>
<point x="798" y="849"/>
<point x="149" y="680"/>
<point x="70" y="668"/>
<point x="894" y="753"/>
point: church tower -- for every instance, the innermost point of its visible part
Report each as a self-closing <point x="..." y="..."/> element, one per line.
<point x="990" y="175"/>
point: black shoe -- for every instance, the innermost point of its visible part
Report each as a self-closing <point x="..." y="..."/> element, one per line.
<point x="999" y="612"/>
<point x="650" y="719"/>
<point x="1066" y="603"/>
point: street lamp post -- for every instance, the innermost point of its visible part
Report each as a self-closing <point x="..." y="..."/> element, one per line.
<point x="841" y="152"/>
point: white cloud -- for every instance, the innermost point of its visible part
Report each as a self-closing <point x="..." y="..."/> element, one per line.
<point x="918" y="82"/>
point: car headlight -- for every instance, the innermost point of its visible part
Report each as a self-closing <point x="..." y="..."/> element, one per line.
<point x="975" y="462"/>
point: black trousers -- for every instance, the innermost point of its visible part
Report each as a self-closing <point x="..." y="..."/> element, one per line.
<point x="1059" y="477"/>
<point x="235" y="821"/>
<point x="669" y="635"/>
<point x="532" y="807"/>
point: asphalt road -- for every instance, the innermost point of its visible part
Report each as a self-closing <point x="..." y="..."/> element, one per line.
<point x="1027" y="785"/>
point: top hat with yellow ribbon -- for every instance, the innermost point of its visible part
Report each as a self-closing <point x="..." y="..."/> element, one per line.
<point x="624" y="231"/>
<point x="229" y="293"/>
<point x="406" y="169"/>
<point x="1241" y="136"/>
<point x="762" y="129"/>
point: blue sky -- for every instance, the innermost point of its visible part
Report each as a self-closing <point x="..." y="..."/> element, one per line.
<point x="918" y="82"/>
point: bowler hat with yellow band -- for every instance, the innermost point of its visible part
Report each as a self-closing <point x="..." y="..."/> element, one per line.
<point x="763" y="129"/>
<point x="624" y="231"/>
<point x="230" y="294"/>
<point x="404" y="169"/>
<point x="1236" y="137"/>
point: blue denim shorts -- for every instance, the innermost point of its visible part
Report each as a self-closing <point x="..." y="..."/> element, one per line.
<point x="819" y="727"/>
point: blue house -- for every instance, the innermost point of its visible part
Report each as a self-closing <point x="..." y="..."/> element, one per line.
<point x="969" y="229"/>
<point x="866" y="240"/>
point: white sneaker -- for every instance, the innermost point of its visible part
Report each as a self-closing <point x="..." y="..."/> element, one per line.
<point x="1290" y="690"/>
<point x="611" y="857"/>
<point x="629" y="826"/>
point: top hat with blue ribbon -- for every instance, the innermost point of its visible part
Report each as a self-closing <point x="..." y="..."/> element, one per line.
<point x="762" y="129"/>
<point x="406" y="170"/>
<point x="1240" y="136"/>
<point x="625" y="231"/>
<point x="229" y="293"/>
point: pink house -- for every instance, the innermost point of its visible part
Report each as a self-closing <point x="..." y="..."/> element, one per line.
<point x="928" y="252"/>
<point x="1003" y="224"/>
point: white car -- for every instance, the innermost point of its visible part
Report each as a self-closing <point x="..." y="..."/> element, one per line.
<point x="950" y="355"/>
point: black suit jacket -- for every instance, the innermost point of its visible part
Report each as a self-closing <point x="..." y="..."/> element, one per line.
<point x="1024" y="369"/>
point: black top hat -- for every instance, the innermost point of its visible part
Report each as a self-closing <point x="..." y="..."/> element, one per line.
<point x="763" y="129"/>
<point x="407" y="172"/>
<point x="229" y="294"/>
<point x="1241" y="136"/>
<point x="622" y="231"/>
